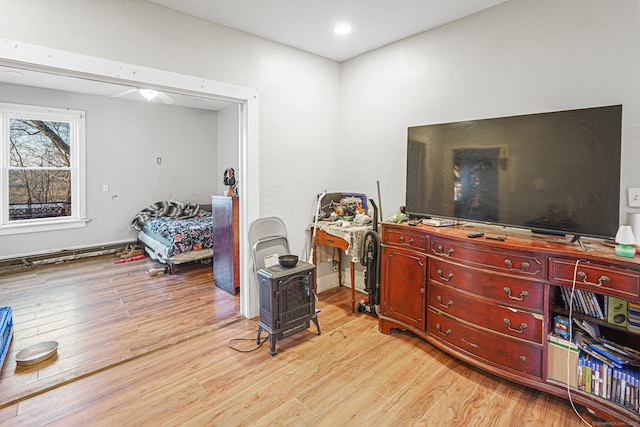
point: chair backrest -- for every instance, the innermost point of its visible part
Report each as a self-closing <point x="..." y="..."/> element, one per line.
<point x="267" y="247"/>
<point x="267" y="236"/>
<point x="262" y="228"/>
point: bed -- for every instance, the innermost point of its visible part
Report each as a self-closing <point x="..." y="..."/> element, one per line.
<point x="173" y="233"/>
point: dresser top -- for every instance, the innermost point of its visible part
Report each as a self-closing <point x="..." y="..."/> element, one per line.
<point x="523" y="240"/>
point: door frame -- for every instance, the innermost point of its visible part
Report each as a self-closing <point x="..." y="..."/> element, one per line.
<point x="67" y="64"/>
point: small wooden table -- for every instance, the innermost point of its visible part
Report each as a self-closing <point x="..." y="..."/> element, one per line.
<point x="324" y="238"/>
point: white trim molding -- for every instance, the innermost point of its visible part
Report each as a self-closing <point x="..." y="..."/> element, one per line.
<point x="67" y="64"/>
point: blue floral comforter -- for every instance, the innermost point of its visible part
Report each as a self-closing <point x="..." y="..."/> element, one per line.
<point x="182" y="235"/>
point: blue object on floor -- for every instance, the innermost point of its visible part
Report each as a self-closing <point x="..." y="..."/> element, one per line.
<point x="6" y="332"/>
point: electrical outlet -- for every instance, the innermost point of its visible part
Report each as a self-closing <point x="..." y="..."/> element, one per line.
<point x="105" y="187"/>
<point x="336" y="266"/>
<point x="634" y="197"/>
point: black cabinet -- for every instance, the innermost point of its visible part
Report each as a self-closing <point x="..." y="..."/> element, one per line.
<point x="287" y="302"/>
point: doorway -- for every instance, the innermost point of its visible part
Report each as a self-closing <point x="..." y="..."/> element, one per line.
<point x="69" y="71"/>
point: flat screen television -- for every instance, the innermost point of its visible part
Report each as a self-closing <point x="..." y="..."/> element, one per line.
<point x="556" y="172"/>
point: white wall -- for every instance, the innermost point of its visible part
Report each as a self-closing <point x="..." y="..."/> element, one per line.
<point x="228" y="153"/>
<point x="520" y="57"/>
<point x="299" y="92"/>
<point x="123" y="141"/>
<point x="341" y="127"/>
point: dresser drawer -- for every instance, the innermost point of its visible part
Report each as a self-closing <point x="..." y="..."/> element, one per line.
<point x="497" y="349"/>
<point x="502" y="319"/>
<point x="486" y="256"/>
<point x="505" y="289"/>
<point x="594" y="277"/>
<point x="405" y="238"/>
<point x="324" y="238"/>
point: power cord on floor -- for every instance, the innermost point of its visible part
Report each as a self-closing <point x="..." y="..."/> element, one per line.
<point x="259" y="339"/>
<point x="573" y="288"/>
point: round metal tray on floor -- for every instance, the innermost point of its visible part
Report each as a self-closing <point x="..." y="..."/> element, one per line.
<point x="36" y="353"/>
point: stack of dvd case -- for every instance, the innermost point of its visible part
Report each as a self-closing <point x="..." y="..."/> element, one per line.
<point x="633" y="317"/>
<point x="609" y="370"/>
<point x="584" y="302"/>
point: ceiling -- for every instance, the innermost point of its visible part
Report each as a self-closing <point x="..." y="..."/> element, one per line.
<point x="303" y="24"/>
<point x="308" y="25"/>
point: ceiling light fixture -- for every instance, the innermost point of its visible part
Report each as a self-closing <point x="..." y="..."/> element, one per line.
<point x="148" y="94"/>
<point x="14" y="73"/>
<point x="342" y="28"/>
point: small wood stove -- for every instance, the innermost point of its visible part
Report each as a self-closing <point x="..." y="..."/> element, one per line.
<point x="287" y="302"/>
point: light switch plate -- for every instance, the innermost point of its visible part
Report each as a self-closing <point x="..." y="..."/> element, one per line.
<point x="634" y="197"/>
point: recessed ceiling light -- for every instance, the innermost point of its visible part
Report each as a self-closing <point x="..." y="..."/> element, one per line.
<point x="14" y="73"/>
<point x="342" y="28"/>
<point x="149" y="94"/>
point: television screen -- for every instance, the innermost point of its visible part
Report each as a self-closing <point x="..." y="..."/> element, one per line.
<point x="555" y="172"/>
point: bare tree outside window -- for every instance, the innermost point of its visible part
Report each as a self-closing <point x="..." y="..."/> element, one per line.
<point x="39" y="169"/>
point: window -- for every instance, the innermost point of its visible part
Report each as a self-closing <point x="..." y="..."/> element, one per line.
<point x="42" y="169"/>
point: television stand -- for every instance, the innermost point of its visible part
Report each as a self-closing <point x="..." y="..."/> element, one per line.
<point x="491" y="303"/>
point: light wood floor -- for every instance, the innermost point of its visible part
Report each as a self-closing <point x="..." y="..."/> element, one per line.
<point x="156" y="350"/>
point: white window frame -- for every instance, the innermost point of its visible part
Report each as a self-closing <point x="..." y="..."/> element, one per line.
<point x="77" y="141"/>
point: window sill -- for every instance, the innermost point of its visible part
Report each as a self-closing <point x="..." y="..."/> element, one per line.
<point x="42" y="226"/>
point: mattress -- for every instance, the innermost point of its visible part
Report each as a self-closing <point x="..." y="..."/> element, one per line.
<point x="167" y="237"/>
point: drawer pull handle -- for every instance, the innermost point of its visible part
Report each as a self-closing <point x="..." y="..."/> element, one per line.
<point x="523" y="266"/>
<point x="329" y="240"/>
<point x="522" y="294"/>
<point x="601" y="280"/>
<point x="407" y="244"/>
<point x="523" y="359"/>
<point x="440" y="251"/>
<point x="447" y="305"/>
<point x="523" y="326"/>
<point x="445" y="333"/>
<point x="445" y="279"/>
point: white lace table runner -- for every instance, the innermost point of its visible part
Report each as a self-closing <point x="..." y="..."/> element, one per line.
<point x="353" y="235"/>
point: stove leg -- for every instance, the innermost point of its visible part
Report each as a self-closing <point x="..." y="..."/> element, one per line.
<point x="272" y="341"/>
<point x="315" y="320"/>
<point x="259" y="333"/>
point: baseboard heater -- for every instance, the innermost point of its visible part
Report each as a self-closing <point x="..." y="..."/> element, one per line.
<point x="29" y="261"/>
